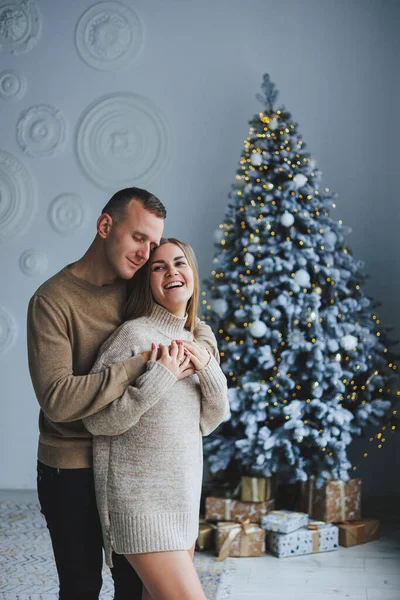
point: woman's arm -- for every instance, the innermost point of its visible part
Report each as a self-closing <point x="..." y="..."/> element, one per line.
<point x="214" y="397"/>
<point x="203" y="335"/>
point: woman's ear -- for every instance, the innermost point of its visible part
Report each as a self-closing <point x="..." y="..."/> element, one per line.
<point x="104" y="225"/>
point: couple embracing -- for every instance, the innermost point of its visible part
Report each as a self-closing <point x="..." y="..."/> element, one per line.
<point x="128" y="381"/>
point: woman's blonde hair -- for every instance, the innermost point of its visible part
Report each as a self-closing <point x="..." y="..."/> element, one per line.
<point x="141" y="301"/>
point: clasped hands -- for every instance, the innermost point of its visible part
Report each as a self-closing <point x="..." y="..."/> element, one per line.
<point x="182" y="358"/>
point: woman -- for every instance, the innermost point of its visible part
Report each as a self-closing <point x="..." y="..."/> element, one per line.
<point x="147" y="446"/>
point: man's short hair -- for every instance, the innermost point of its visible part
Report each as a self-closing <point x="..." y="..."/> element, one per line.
<point x="116" y="206"/>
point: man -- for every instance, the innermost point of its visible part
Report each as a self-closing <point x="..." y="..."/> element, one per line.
<point x="69" y="317"/>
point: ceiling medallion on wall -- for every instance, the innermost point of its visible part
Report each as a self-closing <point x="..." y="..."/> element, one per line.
<point x="12" y="85"/>
<point x="122" y="139"/>
<point x="108" y="36"/>
<point x="8" y="329"/>
<point x="41" y="130"/>
<point x="19" y="25"/>
<point x="33" y="262"/>
<point x="66" y="213"/>
<point x="17" y="197"/>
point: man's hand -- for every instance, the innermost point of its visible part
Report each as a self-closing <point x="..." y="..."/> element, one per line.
<point x="199" y="356"/>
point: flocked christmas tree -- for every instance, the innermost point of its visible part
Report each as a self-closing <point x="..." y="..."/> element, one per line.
<point x="307" y="361"/>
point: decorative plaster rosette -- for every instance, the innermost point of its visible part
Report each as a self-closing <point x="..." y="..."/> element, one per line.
<point x="17" y="197"/>
<point x="33" y="262"/>
<point x="8" y="329"/>
<point x="66" y="213"/>
<point x="19" y="25"/>
<point x="41" y="130"/>
<point x="122" y="140"/>
<point x="12" y="85"/>
<point x="108" y="36"/>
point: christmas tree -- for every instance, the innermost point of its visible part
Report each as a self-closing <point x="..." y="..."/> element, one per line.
<point x="307" y="362"/>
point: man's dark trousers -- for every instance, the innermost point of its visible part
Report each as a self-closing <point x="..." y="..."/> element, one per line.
<point x="67" y="500"/>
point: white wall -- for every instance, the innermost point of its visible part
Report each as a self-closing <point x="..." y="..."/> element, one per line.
<point x="335" y="63"/>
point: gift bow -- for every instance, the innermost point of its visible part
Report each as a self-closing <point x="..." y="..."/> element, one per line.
<point x="244" y="527"/>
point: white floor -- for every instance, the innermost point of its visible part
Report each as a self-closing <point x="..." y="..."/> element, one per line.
<point x="366" y="572"/>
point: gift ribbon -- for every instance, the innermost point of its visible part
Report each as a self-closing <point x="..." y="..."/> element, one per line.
<point x="227" y="508"/>
<point x="315" y="541"/>
<point x="246" y="528"/>
<point x="342" y="501"/>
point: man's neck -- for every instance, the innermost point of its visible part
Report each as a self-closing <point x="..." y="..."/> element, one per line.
<point x="93" y="268"/>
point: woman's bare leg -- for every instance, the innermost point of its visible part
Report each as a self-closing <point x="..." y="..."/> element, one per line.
<point x="168" y="575"/>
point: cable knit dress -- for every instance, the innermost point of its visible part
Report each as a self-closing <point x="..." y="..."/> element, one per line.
<point x="147" y="449"/>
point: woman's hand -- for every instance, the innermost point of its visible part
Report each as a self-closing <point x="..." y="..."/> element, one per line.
<point x="172" y="357"/>
<point x="199" y="356"/>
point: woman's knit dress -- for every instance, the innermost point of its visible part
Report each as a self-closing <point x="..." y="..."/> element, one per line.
<point x="147" y="449"/>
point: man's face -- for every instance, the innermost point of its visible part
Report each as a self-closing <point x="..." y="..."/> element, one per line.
<point x="128" y="245"/>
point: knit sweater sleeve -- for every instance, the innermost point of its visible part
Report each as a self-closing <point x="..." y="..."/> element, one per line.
<point x="214" y="397"/>
<point x="63" y="396"/>
<point x="149" y="388"/>
<point x="203" y="335"/>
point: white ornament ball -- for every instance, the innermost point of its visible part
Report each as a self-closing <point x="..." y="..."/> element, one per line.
<point x="258" y="329"/>
<point x="317" y="290"/>
<point x="348" y="342"/>
<point x="249" y="259"/>
<point x="218" y="235"/>
<point x="255" y="239"/>
<point x="302" y="278"/>
<point x="256" y="159"/>
<point x="273" y="124"/>
<point x="220" y="306"/>
<point x="287" y="219"/>
<point x="299" y="180"/>
<point x="330" y="238"/>
<point x="269" y="186"/>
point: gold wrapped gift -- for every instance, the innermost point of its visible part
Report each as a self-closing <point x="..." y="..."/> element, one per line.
<point x="256" y="489"/>
<point x="229" y="509"/>
<point x="352" y="533"/>
<point x="240" y="539"/>
<point x="336" y="501"/>
<point x="205" y="538"/>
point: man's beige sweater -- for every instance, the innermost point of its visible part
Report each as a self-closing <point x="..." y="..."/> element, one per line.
<point x="68" y="320"/>
<point x="148" y="454"/>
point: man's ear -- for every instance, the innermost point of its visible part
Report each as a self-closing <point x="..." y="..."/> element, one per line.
<point x="104" y="225"/>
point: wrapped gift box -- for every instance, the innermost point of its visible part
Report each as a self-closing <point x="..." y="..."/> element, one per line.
<point x="240" y="539"/>
<point x="284" y="521"/>
<point x="229" y="509"/>
<point x="206" y="536"/>
<point x="334" y="502"/>
<point x="257" y="489"/>
<point x="316" y="537"/>
<point x="358" y="532"/>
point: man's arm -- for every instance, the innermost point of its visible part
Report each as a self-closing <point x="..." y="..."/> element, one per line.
<point x="62" y="395"/>
<point x="204" y="336"/>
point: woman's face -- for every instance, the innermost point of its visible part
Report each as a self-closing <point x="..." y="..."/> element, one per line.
<point x="171" y="278"/>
